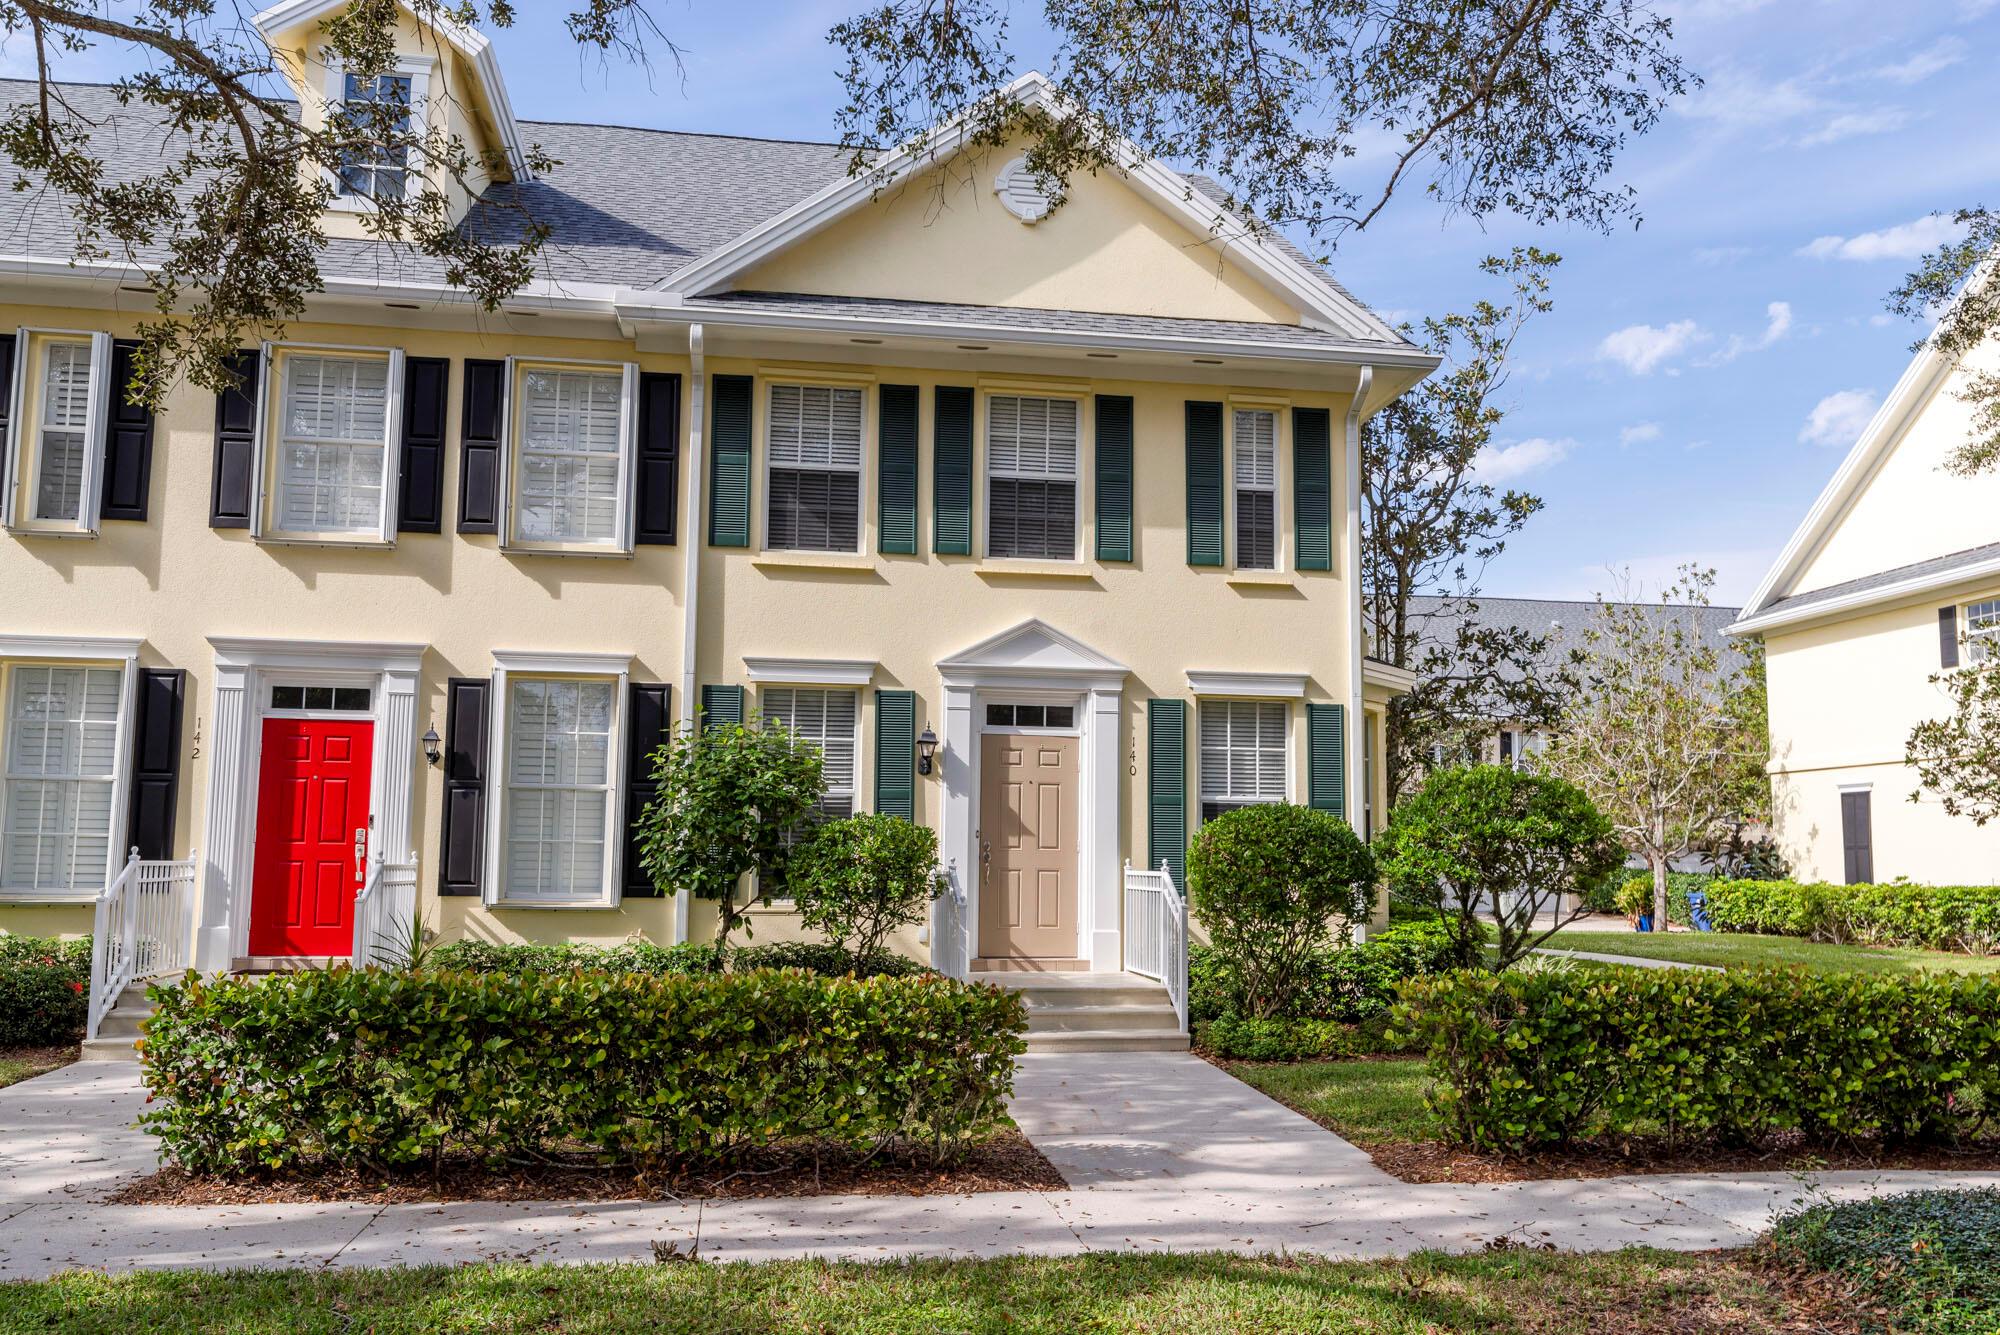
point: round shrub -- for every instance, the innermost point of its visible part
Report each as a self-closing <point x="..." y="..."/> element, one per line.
<point x="44" y="987"/>
<point x="1267" y="883"/>
<point x="859" y="879"/>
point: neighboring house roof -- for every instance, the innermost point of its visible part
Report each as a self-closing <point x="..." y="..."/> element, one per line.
<point x="1975" y="563"/>
<point x="634" y="209"/>
<point x="1561" y="622"/>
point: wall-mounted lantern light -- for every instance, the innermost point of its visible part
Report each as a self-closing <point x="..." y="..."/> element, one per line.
<point x="433" y="749"/>
<point x="926" y="748"/>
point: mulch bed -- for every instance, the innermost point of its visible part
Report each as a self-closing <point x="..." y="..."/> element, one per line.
<point x="41" y="1061"/>
<point x="1002" y="1162"/>
<point x="1435" y="1161"/>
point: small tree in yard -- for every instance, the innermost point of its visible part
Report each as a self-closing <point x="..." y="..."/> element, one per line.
<point x="1958" y="757"/>
<point x="726" y="798"/>
<point x="859" y="879"/>
<point x="1488" y="844"/>
<point x="1267" y="883"/>
<point x="1654" y="733"/>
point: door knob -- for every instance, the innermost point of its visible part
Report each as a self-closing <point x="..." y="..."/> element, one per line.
<point x="360" y="855"/>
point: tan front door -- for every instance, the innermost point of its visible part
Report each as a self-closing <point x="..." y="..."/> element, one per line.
<point x="1027" y="815"/>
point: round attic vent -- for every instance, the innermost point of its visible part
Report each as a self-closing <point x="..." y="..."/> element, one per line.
<point x="1020" y="193"/>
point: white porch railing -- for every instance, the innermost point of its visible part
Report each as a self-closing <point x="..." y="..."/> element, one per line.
<point x="1156" y="932"/>
<point x="385" y="913"/>
<point x="143" y="927"/>
<point x="951" y="941"/>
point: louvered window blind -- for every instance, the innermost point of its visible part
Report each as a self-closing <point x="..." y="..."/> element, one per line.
<point x="55" y="797"/>
<point x="815" y="469"/>
<point x="1031" y="461"/>
<point x="559" y="782"/>
<point x="1256" y="434"/>
<point x="827" y="719"/>
<point x="65" y="413"/>
<point x="569" y="455"/>
<point x="334" y="444"/>
<point x="1242" y="754"/>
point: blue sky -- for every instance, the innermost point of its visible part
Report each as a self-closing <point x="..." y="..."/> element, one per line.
<point x="1700" y="377"/>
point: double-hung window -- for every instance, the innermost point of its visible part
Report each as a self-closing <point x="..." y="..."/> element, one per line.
<point x="58" y="778"/>
<point x="561" y="783"/>
<point x="814" y="448"/>
<point x="330" y="425"/>
<point x="1982" y="629"/>
<point x="573" y="427"/>
<point x="1243" y="754"/>
<point x="61" y="399"/>
<point x="375" y="111"/>
<point x="829" y="719"/>
<point x="1031" y="467"/>
<point x="1256" y="441"/>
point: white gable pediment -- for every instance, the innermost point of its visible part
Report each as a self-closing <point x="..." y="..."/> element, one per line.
<point x="1033" y="649"/>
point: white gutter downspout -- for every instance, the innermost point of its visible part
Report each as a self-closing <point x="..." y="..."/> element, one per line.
<point x="691" y="554"/>
<point x="1357" y="725"/>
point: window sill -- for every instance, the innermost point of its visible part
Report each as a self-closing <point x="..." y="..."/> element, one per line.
<point x="783" y="909"/>
<point x="356" y="542"/>
<point x="782" y="560"/>
<point x="1003" y="568"/>
<point x="595" y="552"/>
<point x="592" y="906"/>
<point x="34" y="530"/>
<point x="1261" y="577"/>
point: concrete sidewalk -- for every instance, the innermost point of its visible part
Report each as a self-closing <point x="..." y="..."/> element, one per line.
<point x="1162" y="1152"/>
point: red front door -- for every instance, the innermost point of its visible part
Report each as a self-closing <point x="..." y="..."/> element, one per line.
<point x="312" y="800"/>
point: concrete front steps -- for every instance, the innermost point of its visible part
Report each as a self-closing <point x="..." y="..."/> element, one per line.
<point x="118" y="1033"/>
<point x="1095" y="1012"/>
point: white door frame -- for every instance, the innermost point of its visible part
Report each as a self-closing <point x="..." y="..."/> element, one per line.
<point x="981" y="730"/>
<point x="1035" y="662"/>
<point x="245" y="670"/>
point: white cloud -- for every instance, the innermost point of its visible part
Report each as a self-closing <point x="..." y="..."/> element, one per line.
<point x="1838" y="420"/>
<point x="1502" y="464"/>
<point x="1777" y="323"/>
<point x="1854" y="124"/>
<point x="1881" y="320"/>
<point x="1641" y="348"/>
<point x="1710" y="256"/>
<point x="1904" y="241"/>
<point x="1738" y="97"/>
<point x="1972" y="9"/>
<point x="1939" y="55"/>
<point x="1639" y="433"/>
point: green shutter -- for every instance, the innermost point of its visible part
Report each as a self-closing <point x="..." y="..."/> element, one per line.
<point x="729" y="462"/>
<point x="1326" y="758"/>
<point x="896" y="753"/>
<point x="951" y="472"/>
<point x="1114" y="477"/>
<point x="897" y="446"/>
<point x="1312" y="487"/>
<point x="1204" y="484"/>
<point x="721" y="706"/>
<point x="1166" y="787"/>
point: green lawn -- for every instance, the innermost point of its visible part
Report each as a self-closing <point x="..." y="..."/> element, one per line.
<point x="17" y="1064"/>
<point x="1368" y="1102"/>
<point x="1199" y="1294"/>
<point x="1733" y="951"/>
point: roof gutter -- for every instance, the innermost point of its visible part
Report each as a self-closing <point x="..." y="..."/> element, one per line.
<point x="691" y="554"/>
<point x="1357" y="729"/>
<point x="1848" y="603"/>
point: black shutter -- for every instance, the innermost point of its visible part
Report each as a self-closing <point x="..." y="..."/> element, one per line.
<point x="420" y="494"/>
<point x="128" y="444"/>
<point x="656" y="485"/>
<point x="481" y="420"/>
<point x="6" y="404"/>
<point x="464" y="837"/>
<point x="646" y="727"/>
<point x="1948" y="637"/>
<point x="1857" y="838"/>
<point x="232" y="488"/>
<point x="156" y="761"/>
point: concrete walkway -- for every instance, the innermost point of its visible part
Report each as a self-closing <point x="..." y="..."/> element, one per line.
<point x="1162" y="1152"/>
<point x="1599" y="957"/>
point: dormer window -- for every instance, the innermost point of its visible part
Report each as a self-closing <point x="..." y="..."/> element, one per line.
<point x="377" y="170"/>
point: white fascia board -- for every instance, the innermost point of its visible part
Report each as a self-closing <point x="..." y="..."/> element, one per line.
<point x="1833" y="608"/>
<point x="1377" y="673"/>
<point x="1164" y="187"/>
<point x="1260" y="685"/>
<point x="1919" y="381"/>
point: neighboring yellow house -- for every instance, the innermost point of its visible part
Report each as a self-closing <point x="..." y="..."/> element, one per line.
<point x="890" y="459"/>
<point x="1893" y="578"/>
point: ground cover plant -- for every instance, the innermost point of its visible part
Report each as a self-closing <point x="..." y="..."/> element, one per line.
<point x="1924" y="1263"/>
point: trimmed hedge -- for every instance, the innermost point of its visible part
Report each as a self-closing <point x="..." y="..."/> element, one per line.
<point x="1527" y="1060"/>
<point x="1246" y="1038"/>
<point x="659" y="961"/>
<point x="824" y="958"/>
<point x="1678" y="885"/>
<point x="44" y="991"/>
<point x="1960" y="918"/>
<point x="1349" y="984"/>
<point x="1924" y="1261"/>
<point x="382" y="1069"/>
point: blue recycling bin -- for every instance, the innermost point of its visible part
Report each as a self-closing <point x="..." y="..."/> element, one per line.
<point x="1698" y="911"/>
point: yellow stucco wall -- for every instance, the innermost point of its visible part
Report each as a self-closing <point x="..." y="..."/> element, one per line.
<point x="1844" y="696"/>
<point x="944" y="236"/>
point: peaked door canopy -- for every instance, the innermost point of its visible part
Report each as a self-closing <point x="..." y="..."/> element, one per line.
<point x="1033" y="650"/>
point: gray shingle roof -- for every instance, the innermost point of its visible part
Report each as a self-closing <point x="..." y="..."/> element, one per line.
<point x="626" y="207"/>
<point x="1937" y="567"/>
<point x="1562" y="622"/>
<point x="1003" y="318"/>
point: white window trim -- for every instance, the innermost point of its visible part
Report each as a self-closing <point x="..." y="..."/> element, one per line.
<point x="270" y="411"/>
<point x="1250" y="685"/>
<point x="810" y="674"/>
<point x="1280" y="547"/>
<point x="18" y="487"/>
<point x="1976" y="642"/>
<point x="418" y="69"/>
<point x="628" y="452"/>
<point x="811" y="671"/>
<point x="1201" y="797"/>
<point x="81" y="651"/>
<point x="1086" y="429"/>
<point x="864" y="528"/>
<point x="614" y="668"/>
